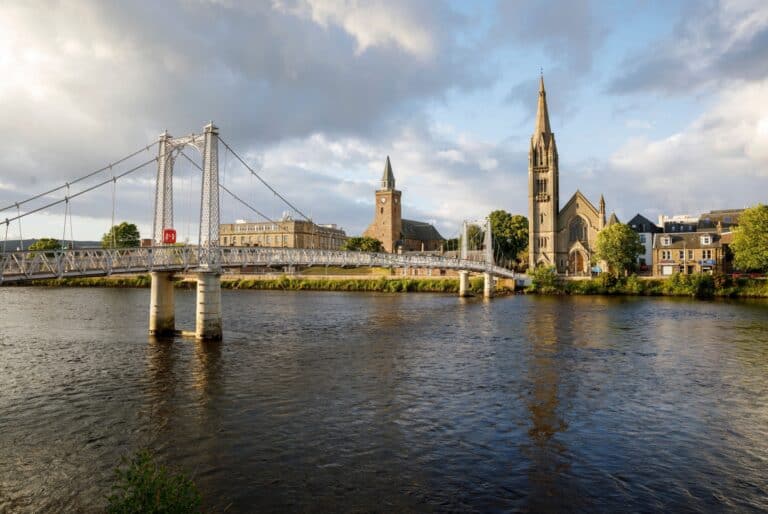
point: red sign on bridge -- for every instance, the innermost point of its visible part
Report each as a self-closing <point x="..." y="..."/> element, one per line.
<point x="169" y="236"/>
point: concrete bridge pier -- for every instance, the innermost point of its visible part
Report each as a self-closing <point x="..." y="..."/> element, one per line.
<point x="208" y="313"/>
<point x="463" y="284"/>
<point x="162" y="308"/>
<point x="487" y="285"/>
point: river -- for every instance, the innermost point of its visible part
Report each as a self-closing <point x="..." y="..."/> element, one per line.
<point x="376" y="402"/>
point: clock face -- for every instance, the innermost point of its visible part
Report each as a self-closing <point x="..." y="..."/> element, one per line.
<point x="383" y="200"/>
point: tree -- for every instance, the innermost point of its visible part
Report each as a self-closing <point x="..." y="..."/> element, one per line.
<point x="510" y="233"/>
<point x="750" y="240"/>
<point x="619" y="246"/>
<point x="124" y="235"/>
<point x="363" y="244"/>
<point x="45" y="243"/>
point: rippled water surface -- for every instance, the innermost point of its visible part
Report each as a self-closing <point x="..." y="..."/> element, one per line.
<point x="358" y="402"/>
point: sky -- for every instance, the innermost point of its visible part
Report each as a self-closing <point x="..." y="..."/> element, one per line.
<point x="662" y="106"/>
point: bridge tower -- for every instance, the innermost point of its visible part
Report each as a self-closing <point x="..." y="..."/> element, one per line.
<point x="208" y="273"/>
<point x="488" y="258"/>
<point x="208" y="314"/>
<point x="162" y="308"/>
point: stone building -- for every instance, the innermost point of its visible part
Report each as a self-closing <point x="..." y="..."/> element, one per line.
<point x="691" y="252"/>
<point x="286" y="233"/>
<point x="564" y="238"/>
<point x="389" y="227"/>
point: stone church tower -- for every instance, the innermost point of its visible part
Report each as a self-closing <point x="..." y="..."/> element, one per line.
<point x="387" y="221"/>
<point x="543" y="189"/>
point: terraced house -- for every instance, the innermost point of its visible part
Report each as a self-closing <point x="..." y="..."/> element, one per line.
<point x="687" y="253"/>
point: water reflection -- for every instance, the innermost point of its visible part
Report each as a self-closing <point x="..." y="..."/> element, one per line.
<point x="549" y="457"/>
<point x="161" y="383"/>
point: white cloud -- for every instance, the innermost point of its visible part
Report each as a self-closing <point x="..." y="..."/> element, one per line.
<point x="718" y="161"/>
<point x="370" y="23"/>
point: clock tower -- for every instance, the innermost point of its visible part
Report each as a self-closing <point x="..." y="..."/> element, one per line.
<point x="387" y="220"/>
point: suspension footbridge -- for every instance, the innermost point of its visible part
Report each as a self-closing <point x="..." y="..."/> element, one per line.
<point x="207" y="260"/>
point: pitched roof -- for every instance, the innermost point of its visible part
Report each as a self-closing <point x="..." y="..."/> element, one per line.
<point x="642" y="224"/>
<point x="420" y="231"/>
<point x="388" y="178"/>
<point x="612" y="220"/>
<point x="689" y="240"/>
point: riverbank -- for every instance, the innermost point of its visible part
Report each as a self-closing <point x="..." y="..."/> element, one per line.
<point x="696" y="286"/>
<point x="373" y="283"/>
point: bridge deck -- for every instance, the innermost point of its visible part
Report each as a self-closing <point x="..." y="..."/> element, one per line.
<point x="18" y="267"/>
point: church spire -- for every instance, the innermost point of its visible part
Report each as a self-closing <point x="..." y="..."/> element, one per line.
<point x="542" y="114"/>
<point x="388" y="178"/>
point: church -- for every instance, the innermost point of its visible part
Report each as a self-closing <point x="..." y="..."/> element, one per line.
<point x="389" y="227"/>
<point x="564" y="238"/>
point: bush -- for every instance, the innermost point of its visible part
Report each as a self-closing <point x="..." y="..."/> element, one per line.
<point x="544" y="280"/>
<point x="145" y="486"/>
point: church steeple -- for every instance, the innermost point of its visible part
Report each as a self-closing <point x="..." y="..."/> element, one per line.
<point x="388" y="178"/>
<point x="542" y="113"/>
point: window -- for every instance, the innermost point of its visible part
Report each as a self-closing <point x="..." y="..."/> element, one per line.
<point x="690" y="254"/>
<point x="577" y="230"/>
<point x="706" y="240"/>
<point x="666" y="254"/>
<point x="541" y="186"/>
<point x="706" y="254"/>
<point x="642" y="238"/>
<point x="680" y="254"/>
<point x="225" y="240"/>
<point x="541" y="218"/>
<point x="666" y="241"/>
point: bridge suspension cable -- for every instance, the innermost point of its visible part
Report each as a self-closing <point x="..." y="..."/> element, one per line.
<point x="226" y="189"/>
<point x="67" y="198"/>
<point x="281" y="197"/>
<point x="79" y="179"/>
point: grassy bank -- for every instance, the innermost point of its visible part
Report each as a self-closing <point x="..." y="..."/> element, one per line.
<point x="287" y="283"/>
<point x="696" y="286"/>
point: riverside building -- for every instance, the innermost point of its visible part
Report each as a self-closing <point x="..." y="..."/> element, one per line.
<point x="286" y="233"/>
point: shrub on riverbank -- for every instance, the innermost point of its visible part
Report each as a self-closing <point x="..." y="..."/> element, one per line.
<point x="695" y="285"/>
<point x="143" y="485"/>
<point x="381" y="285"/>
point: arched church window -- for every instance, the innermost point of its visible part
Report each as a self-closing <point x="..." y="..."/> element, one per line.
<point x="577" y="230"/>
<point x="541" y="218"/>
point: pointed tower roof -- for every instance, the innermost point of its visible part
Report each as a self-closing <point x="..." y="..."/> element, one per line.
<point x="388" y="178"/>
<point x="542" y="113"/>
<point x="602" y="203"/>
<point x="613" y="219"/>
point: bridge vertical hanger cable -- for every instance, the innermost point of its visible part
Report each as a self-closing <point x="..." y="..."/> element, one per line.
<point x="7" y="226"/>
<point x="66" y="209"/>
<point x="112" y="226"/>
<point x="21" y="238"/>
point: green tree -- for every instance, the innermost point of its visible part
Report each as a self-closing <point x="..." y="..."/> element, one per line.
<point x="619" y="246"/>
<point x="123" y="235"/>
<point x="45" y="243"/>
<point x="750" y="240"/>
<point x="510" y="233"/>
<point x="363" y="244"/>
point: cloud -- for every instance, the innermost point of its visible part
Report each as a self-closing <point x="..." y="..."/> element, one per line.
<point x="373" y="23"/>
<point x="568" y="31"/>
<point x="718" y="161"/>
<point x="715" y="42"/>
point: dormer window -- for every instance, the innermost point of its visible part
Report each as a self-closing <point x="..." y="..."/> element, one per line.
<point x="666" y="241"/>
<point x="706" y="240"/>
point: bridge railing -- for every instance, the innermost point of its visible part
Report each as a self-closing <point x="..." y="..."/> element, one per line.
<point x="21" y="266"/>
